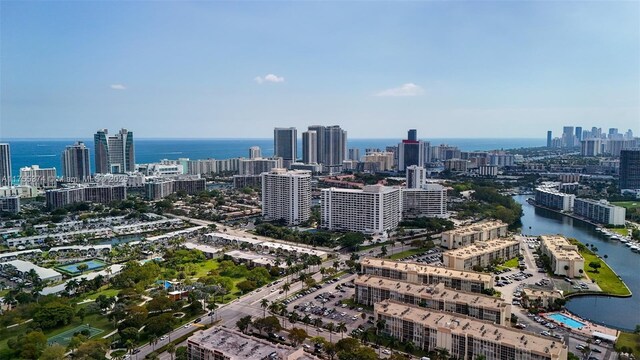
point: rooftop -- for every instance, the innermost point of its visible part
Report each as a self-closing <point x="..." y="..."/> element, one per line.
<point x="560" y="247"/>
<point x="481" y="247"/>
<point x="25" y="266"/>
<point x="466" y="326"/>
<point x="426" y="269"/>
<point x="475" y="228"/>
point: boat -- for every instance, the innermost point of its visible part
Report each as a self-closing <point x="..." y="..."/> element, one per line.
<point x="598" y="229"/>
<point x="635" y="248"/>
<point x="628" y="244"/>
<point x="623" y="240"/>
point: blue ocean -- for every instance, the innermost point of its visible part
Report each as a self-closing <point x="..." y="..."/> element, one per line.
<point x="47" y="152"/>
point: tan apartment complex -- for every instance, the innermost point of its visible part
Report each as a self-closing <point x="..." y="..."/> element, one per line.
<point x="464" y="337"/>
<point x="564" y="256"/>
<point x="469" y="234"/>
<point x="481" y="254"/>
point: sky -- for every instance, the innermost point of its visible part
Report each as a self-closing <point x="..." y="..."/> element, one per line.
<point x="206" y="69"/>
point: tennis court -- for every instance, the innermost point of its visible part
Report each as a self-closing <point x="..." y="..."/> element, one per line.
<point x="65" y="337"/>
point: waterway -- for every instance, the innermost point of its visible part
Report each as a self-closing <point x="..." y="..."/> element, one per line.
<point x="621" y="313"/>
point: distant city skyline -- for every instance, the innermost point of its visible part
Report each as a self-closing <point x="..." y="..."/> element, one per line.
<point x="237" y="70"/>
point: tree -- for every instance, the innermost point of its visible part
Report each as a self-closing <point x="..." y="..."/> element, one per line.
<point x="171" y="349"/>
<point x="92" y="349"/>
<point x="53" y="352"/>
<point x="159" y="325"/>
<point x="32" y="345"/>
<point x="82" y="268"/>
<point x="81" y="313"/>
<point x="341" y="328"/>
<point x="264" y="304"/>
<point x="268" y="324"/>
<point x="182" y="353"/>
<point x="54" y="314"/>
<point x="246" y="286"/>
<point x="595" y="265"/>
<point x="129" y="333"/>
<point x="243" y="323"/>
<point x="297" y="336"/>
<point x="75" y="342"/>
<point x="330" y="327"/>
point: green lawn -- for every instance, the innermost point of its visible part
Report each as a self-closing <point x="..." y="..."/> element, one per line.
<point x="606" y="279"/>
<point x="629" y="340"/>
<point x="622" y="231"/>
<point x="511" y="263"/>
<point x="406" y="253"/>
<point x="627" y="204"/>
<point x="373" y="246"/>
<point x="205" y="266"/>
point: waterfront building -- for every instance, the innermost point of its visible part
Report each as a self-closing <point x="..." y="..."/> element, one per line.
<point x="6" y="177"/>
<point x="213" y="166"/>
<point x="95" y="193"/>
<point x="75" y="163"/>
<point x="331" y="145"/>
<point x="411" y="151"/>
<point x="286" y="195"/>
<point x="310" y="147"/>
<point x="549" y="138"/>
<point x="372" y="289"/>
<point x="373" y="209"/>
<point x="10" y="204"/>
<point x="630" y="169"/>
<point x="463" y="337"/>
<point x="552" y="198"/>
<point x="578" y="133"/>
<point x="354" y="154"/>
<point x="40" y="178"/>
<point x="600" y="211"/>
<point x="481" y="254"/>
<point x="255" y="152"/>
<point x="428" y="201"/>
<point x="540" y="297"/>
<point x="114" y="153"/>
<point x="221" y="343"/>
<point x="285" y="145"/>
<point x="260" y="165"/>
<point x="470" y="234"/>
<point x="421" y="274"/>
<point x="568" y="137"/>
<point x="564" y="256"/>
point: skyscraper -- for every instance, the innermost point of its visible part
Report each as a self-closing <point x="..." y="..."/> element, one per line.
<point x="310" y="147"/>
<point x="285" y="144"/>
<point x="630" y="169"/>
<point x="5" y="165"/>
<point x="579" y="133"/>
<point x="255" y="152"/>
<point x="416" y="177"/>
<point x="75" y="163"/>
<point x="286" y="195"/>
<point x="114" y="153"/>
<point x="354" y="154"/>
<point x="331" y="145"/>
<point x="549" y="138"/>
<point x="411" y="152"/>
<point x="567" y="136"/>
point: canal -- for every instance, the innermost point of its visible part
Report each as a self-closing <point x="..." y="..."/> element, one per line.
<point x="621" y="313"/>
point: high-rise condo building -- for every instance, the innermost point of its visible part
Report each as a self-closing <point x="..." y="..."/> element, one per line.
<point x="591" y="147"/>
<point x="630" y="169"/>
<point x="285" y="144"/>
<point x="331" y="146"/>
<point x="374" y="209"/>
<point x="114" y="154"/>
<point x="578" y="133"/>
<point x="354" y="154"/>
<point x="411" y="152"/>
<point x="567" y="136"/>
<point x="428" y="201"/>
<point x="286" y="195"/>
<point x="255" y="152"/>
<point x="310" y="147"/>
<point x="5" y="165"/>
<point x="75" y="163"/>
<point x="37" y="177"/>
<point x="549" y="138"/>
<point x="416" y="177"/>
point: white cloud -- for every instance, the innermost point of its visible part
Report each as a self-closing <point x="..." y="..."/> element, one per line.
<point x="269" y="78"/>
<point x="408" y="89"/>
<point x="118" y="87"/>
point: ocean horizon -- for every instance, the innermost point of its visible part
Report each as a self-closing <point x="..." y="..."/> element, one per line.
<point x="47" y="152"/>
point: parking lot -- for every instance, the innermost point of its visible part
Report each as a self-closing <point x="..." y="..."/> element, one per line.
<point x="430" y="257"/>
<point x="331" y="302"/>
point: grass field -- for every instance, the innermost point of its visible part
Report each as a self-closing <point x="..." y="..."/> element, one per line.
<point x="629" y="340"/>
<point x="627" y="204"/>
<point x="606" y="279"/>
<point x="406" y="253"/>
<point x="623" y="232"/>
<point x="64" y="338"/>
<point x="511" y="263"/>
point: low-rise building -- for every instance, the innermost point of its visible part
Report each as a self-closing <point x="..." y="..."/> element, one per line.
<point x="20" y="268"/>
<point x="420" y="274"/>
<point x="600" y="211"/>
<point x="80" y="251"/>
<point x="564" y="256"/>
<point x="257" y="245"/>
<point x="481" y="254"/>
<point x="373" y="289"/>
<point x="469" y="234"/>
<point x="540" y="297"/>
<point x="463" y="337"/>
<point x="219" y="343"/>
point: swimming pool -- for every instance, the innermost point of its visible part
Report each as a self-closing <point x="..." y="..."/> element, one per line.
<point x="91" y="265"/>
<point x="574" y="324"/>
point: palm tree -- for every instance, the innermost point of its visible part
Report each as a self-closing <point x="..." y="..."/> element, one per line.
<point x="286" y="287"/>
<point x="171" y="349"/>
<point x="317" y="322"/>
<point x="306" y="320"/>
<point x="153" y="340"/>
<point x="341" y="328"/>
<point x="293" y="317"/>
<point x="393" y="343"/>
<point x="264" y="303"/>
<point x="442" y="354"/>
<point x="330" y="327"/>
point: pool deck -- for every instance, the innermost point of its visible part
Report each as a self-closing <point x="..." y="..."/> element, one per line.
<point x="587" y="330"/>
